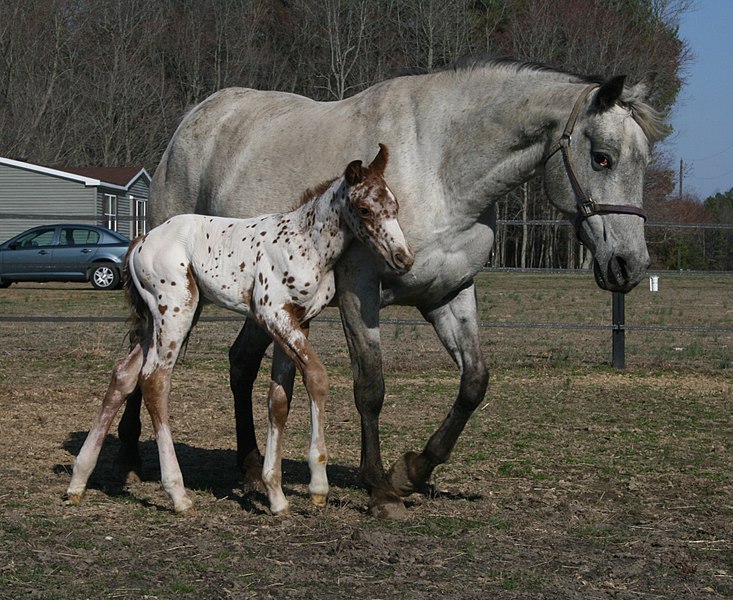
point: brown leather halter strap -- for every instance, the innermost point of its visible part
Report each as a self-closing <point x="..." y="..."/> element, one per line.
<point x="586" y="206"/>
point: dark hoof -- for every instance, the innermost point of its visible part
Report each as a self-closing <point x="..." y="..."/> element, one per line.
<point x="251" y="467"/>
<point x="405" y="475"/>
<point x="388" y="511"/>
<point x="130" y="468"/>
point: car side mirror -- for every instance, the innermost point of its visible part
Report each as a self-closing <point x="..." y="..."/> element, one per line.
<point x="14" y="246"/>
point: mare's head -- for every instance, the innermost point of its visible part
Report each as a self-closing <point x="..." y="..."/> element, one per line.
<point x="371" y="213"/>
<point x="594" y="174"/>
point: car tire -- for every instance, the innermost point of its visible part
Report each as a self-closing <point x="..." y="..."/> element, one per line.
<point x="4" y="284"/>
<point x="104" y="277"/>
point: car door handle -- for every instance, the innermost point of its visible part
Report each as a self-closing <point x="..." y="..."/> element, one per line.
<point x="86" y="251"/>
<point x="43" y="252"/>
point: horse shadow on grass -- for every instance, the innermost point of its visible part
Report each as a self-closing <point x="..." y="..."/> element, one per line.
<point x="204" y="470"/>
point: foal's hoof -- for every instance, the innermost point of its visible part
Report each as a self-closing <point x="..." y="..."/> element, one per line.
<point x="320" y="500"/>
<point x="186" y="512"/>
<point x="283" y="511"/>
<point x="73" y="499"/>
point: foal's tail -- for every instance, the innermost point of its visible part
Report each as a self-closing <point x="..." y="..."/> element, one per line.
<point x="140" y="321"/>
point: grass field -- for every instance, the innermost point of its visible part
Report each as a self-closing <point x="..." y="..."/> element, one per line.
<point x="571" y="481"/>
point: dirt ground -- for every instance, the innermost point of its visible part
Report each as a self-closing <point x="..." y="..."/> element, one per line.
<point x="571" y="481"/>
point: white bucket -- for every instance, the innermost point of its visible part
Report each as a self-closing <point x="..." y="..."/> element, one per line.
<point x="654" y="283"/>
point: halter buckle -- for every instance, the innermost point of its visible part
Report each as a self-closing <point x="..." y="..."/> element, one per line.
<point x="587" y="208"/>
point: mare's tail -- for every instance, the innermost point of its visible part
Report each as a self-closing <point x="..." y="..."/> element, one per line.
<point x="140" y="321"/>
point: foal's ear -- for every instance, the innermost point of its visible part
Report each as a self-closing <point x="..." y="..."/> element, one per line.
<point x="610" y="93"/>
<point x="380" y="160"/>
<point x="354" y="173"/>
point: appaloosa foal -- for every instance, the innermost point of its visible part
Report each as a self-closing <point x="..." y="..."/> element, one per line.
<point x="278" y="269"/>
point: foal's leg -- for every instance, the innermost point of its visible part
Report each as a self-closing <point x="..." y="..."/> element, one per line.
<point x="456" y="323"/>
<point x="124" y="379"/>
<point x="294" y="346"/>
<point x="156" y="391"/>
<point x="278" y="407"/>
<point x="245" y="357"/>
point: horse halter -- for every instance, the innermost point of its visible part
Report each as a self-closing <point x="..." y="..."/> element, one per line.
<point x="586" y="206"/>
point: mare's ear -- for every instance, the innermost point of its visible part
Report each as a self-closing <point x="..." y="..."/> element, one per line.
<point x="610" y="93"/>
<point x="380" y="160"/>
<point x="354" y="173"/>
<point x="642" y="90"/>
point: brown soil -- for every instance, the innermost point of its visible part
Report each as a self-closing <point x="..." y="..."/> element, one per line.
<point x="571" y="481"/>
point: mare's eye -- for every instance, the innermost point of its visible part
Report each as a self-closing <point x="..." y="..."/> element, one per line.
<point x="364" y="212"/>
<point x="601" y="161"/>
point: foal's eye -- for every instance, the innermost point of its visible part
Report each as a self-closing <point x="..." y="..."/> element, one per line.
<point x="364" y="212"/>
<point x="601" y="161"/>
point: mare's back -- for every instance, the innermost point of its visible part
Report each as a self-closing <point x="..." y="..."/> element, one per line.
<point x="243" y="152"/>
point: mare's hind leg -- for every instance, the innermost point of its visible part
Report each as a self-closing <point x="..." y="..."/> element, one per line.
<point x="456" y="323"/>
<point x="245" y="357"/>
<point x="124" y="379"/>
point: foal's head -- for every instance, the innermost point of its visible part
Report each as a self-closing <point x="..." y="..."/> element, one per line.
<point x="371" y="213"/>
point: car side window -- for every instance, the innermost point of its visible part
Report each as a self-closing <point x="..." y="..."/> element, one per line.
<point x="42" y="237"/>
<point x="76" y="236"/>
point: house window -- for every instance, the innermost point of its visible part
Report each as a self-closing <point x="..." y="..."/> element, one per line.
<point x="110" y="211"/>
<point x="139" y="216"/>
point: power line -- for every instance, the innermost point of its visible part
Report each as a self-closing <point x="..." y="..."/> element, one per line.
<point x="712" y="155"/>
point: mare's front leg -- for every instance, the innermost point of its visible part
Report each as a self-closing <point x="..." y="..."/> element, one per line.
<point x="128" y="460"/>
<point x="359" y="301"/>
<point x="456" y="323"/>
<point x="245" y="357"/>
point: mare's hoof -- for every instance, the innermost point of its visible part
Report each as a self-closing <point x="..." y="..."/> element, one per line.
<point x="403" y="475"/>
<point x="130" y="470"/>
<point x="388" y="511"/>
<point x="252" y="483"/>
<point x="186" y="512"/>
<point x="251" y="468"/>
<point x="320" y="500"/>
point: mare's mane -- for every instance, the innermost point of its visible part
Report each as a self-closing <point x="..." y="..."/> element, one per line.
<point x="649" y="119"/>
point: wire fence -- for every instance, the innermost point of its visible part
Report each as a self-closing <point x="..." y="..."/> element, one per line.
<point x="527" y="317"/>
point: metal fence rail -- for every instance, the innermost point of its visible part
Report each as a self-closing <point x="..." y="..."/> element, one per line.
<point x="483" y="324"/>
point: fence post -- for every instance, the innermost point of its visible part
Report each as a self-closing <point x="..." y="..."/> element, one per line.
<point x="619" y="331"/>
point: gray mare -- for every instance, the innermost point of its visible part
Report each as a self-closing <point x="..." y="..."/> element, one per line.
<point x="460" y="140"/>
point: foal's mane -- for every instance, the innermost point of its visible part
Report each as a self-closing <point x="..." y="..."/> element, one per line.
<point x="649" y="119"/>
<point x="313" y="192"/>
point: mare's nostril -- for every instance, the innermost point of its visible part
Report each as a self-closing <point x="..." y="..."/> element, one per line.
<point x="622" y="268"/>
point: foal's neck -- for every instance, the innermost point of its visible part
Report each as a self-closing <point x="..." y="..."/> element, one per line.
<point x="322" y="224"/>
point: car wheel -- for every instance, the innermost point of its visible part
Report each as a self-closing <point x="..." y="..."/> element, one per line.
<point x="104" y="277"/>
<point x="4" y="284"/>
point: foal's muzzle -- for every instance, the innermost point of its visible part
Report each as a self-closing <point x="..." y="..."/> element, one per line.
<point x="402" y="260"/>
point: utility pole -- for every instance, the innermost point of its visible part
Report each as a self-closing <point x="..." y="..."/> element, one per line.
<point x="682" y="164"/>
